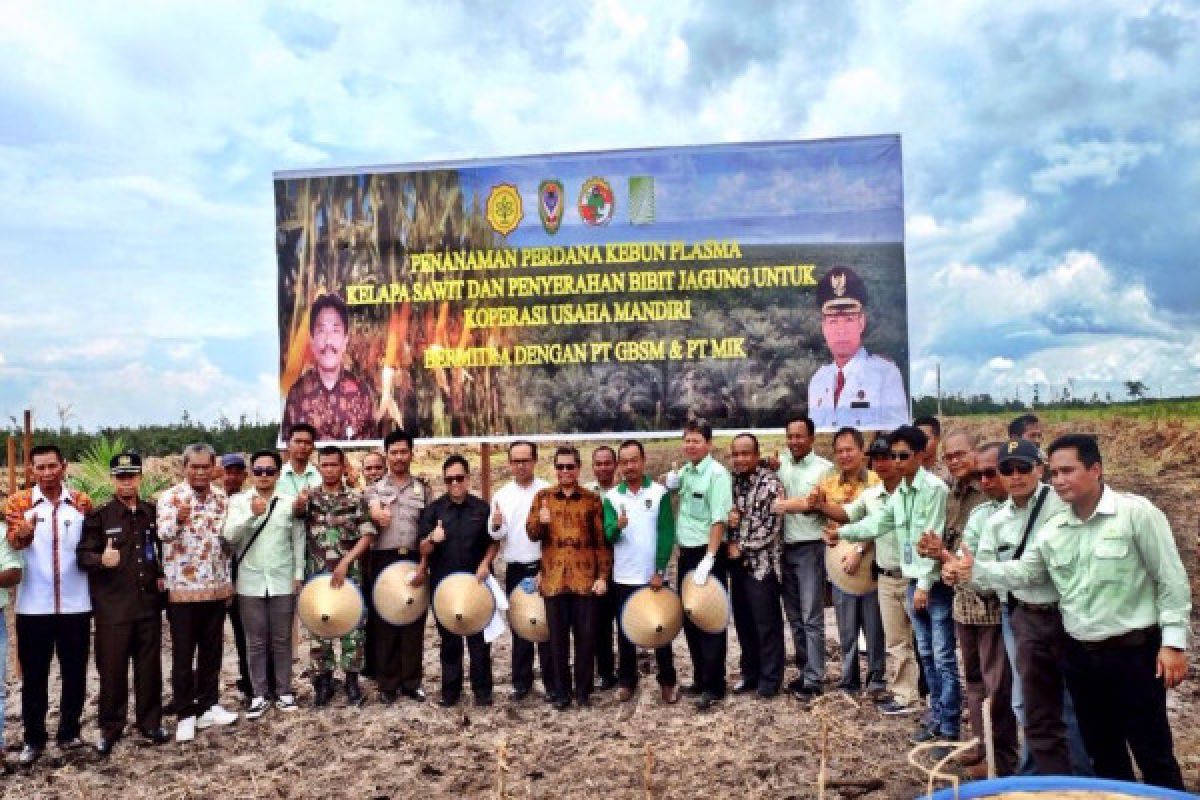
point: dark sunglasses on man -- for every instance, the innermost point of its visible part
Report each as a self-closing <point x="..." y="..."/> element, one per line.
<point x="262" y="471"/>
<point x="455" y="479"/>
<point x="1021" y="467"/>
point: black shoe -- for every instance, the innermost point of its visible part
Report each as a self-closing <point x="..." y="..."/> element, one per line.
<point x="583" y="702"/>
<point x="744" y="687"/>
<point x="354" y="695"/>
<point x="692" y="690"/>
<point x="850" y="688"/>
<point x="796" y="685"/>
<point x="607" y="682"/>
<point x="104" y="747"/>
<point x="483" y="699"/>
<point x="30" y="754"/>
<point x="387" y="696"/>
<point x="519" y="694"/>
<point x="807" y="693"/>
<point x="707" y="701"/>
<point x="156" y="736"/>
<point x="74" y="743"/>
<point x="322" y="689"/>
<point x="561" y="703"/>
<point x="417" y="694"/>
<point x="766" y="694"/>
<point x="448" y="700"/>
<point x="245" y="687"/>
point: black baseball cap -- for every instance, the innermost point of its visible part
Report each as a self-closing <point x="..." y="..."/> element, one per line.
<point x="1020" y="450"/>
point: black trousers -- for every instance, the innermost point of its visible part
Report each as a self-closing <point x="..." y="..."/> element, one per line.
<point x="1122" y="706"/>
<point x="707" y="649"/>
<point x="398" y="649"/>
<point x="1040" y="640"/>
<point x="139" y="641"/>
<point x="567" y="616"/>
<point x="606" y="616"/>
<point x="197" y="633"/>
<point x="522" y="651"/>
<point x="451" y="655"/>
<point x="244" y="683"/>
<point x="627" y="666"/>
<point x="39" y="638"/>
<point x="758" y="618"/>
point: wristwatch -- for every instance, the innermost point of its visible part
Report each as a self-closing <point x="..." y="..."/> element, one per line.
<point x="858" y="548"/>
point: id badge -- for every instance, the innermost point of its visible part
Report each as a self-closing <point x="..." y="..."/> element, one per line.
<point x="908" y="553"/>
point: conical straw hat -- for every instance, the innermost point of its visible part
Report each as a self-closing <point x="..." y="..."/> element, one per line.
<point x="527" y="615"/>
<point x="462" y="604"/>
<point x="652" y="618"/>
<point x="863" y="579"/>
<point x="706" y="605"/>
<point x="327" y="612"/>
<point x="396" y="600"/>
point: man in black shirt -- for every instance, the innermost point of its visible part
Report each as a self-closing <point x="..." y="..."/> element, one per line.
<point x="121" y="553"/>
<point x="455" y="538"/>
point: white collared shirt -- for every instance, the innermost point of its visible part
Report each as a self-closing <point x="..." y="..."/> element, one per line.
<point x="52" y="582"/>
<point x="515" y="501"/>
<point x="872" y="397"/>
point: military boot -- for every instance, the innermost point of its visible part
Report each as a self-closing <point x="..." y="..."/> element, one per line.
<point x="322" y="689"/>
<point x="354" y="694"/>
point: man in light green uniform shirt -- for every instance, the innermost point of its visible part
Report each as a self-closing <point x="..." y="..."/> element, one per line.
<point x="1125" y="604"/>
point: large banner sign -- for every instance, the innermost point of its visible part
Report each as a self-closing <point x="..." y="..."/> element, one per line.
<point x="596" y="294"/>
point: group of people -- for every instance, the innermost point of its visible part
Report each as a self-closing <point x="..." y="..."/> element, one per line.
<point x="1068" y="603"/>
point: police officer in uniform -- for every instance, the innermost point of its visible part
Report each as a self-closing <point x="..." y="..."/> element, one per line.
<point x="857" y="389"/>
<point x="121" y="554"/>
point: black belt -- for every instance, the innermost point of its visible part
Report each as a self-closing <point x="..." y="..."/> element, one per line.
<point x="1041" y="608"/>
<point x="1136" y="638"/>
<point x="896" y="573"/>
<point x="798" y="545"/>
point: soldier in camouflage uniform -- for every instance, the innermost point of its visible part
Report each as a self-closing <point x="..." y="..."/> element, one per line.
<point x="339" y="534"/>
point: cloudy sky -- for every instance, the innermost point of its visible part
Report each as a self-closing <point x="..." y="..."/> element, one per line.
<point x="1051" y="166"/>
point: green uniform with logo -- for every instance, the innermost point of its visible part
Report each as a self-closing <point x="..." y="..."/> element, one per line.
<point x="336" y="521"/>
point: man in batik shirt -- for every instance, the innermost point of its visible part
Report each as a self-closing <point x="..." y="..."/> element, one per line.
<point x="753" y="547"/>
<point x="339" y="535"/>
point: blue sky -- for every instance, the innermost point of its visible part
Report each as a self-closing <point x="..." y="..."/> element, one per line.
<point x="1050" y="166"/>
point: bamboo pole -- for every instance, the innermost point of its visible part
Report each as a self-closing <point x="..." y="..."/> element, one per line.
<point x="485" y="454"/>
<point x="12" y="465"/>
<point x="28" y="447"/>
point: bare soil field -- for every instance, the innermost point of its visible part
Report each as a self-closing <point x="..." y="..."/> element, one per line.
<point x="744" y="748"/>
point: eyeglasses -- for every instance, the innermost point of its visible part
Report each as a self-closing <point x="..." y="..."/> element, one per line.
<point x="957" y="455"/>
<point x="1021" y="467"/>
<point x="262" y="471"/>
<point x="520" y="461"/>
<point x="988" y="473"/>
<point x="566" y="467"/>
<point x="455" y="479"/>
<point x="900" y="455"/>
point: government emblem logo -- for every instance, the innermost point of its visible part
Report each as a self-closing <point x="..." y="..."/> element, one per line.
<point x="838" y="281"/>
<point x="550" y="205"/>
<point x="504" y="211"/>
<point x="596" y="202"/>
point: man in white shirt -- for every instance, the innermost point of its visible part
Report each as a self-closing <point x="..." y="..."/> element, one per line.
<point x="53" y="611"/>
<point x="522" y="557"/>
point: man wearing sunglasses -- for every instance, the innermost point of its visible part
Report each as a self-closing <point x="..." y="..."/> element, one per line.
<point x="568" y="521"/>
<point x="918" y="505"/>
<point x="339" y="537"/>
<point x="455" y="538"/>
<point x="1125" y="603"/>
<point x="269" y="565"/>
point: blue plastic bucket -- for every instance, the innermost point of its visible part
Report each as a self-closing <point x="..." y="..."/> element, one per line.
<point x="1050" y="784"/>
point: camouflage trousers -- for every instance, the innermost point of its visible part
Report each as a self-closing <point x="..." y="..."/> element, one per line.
<point x="324" y="659"/>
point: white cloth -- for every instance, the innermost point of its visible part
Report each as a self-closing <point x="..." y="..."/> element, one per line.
<point x="52" y="582"/>
<point x="496" y="624"/>
<point x="514" y="502"/>
<point x="635" y="550"/>
<point x="872" y="398"/>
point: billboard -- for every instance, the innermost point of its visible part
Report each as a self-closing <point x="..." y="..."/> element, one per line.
<point x="596" y="294"/>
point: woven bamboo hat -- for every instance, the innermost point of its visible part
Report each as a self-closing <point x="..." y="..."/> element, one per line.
<point x="652" y="618"/>
<point x="327" y="612"/>
<point x="863" y="579"/>
<point x="706" y="605"/>
<point x="396" y="600"/>
<point x="527" y="615"/>
<point x="462" y="604"/>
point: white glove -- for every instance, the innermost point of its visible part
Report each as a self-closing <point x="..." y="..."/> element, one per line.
<point x="700" y="574"/>
<point x="672" y="480"/>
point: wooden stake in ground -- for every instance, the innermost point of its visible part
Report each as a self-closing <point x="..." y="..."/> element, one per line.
<point x="501" y="766"/>
<point x="648" y="773"/>
<point x="12" y="465"/>
<point x="989" y="740"/>
<point x="485" y="471"/>
<point x="28" y="447"/>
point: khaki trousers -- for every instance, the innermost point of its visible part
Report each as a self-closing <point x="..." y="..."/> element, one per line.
<point x="898" y="638"/>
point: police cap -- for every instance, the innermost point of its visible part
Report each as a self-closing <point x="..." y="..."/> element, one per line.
<point x="126" y="463"/>
<point x="841" y="290"/>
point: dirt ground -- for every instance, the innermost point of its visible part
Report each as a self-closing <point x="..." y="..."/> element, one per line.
<point x="745" y="748"/>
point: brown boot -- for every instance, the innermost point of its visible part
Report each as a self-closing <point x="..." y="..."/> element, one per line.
<point x="670" y="695"/>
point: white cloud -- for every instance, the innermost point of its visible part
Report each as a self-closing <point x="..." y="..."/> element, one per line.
<point x="1099" y="162"/>
<point x="1000" y="363"/>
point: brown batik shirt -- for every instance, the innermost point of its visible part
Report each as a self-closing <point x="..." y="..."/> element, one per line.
<point x="575" y="553"/>
<point x="970" y="607"/>
<point x="339" y="414"/>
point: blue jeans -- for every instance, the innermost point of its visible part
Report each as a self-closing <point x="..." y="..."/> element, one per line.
<point x="934" y="628"/>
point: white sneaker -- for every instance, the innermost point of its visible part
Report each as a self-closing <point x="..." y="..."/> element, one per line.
<point x="185" y="731"/>
<point x="215" y="716"/>
<point x="286" y="702"/>
<point x="258" y="707"/>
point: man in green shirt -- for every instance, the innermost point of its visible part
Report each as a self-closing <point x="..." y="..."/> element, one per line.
<point x="803" y="568"/>
<point x="1125" y="603"/>
<point x="705" y="498"/>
